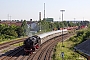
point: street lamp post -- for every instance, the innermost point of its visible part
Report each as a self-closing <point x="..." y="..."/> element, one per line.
<point x="62" y="25"/>
<point x="62" y="53"/>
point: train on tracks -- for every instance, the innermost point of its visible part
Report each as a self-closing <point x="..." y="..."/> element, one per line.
<point x="32" y="43"/>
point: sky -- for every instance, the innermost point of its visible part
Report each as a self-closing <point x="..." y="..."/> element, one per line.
<point x="29" y="9"/>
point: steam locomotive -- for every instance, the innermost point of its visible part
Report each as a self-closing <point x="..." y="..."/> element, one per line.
<point x="32" y="43"/>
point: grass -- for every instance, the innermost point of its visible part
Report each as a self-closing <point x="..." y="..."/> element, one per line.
<point x="10" y="40"/>
<point x="68" y="50"/>
<point x="4" y="51"/>
<point x="18" y="44"/>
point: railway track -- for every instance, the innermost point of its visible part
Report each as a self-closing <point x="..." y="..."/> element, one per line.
<point x="7" y="44"/>
<point x="43" y="53"/>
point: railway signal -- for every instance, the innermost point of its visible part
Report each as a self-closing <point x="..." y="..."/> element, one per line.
<point x="62" y="55"/>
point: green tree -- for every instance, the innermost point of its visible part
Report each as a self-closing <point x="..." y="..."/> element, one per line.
<point x="20" y="31"/>
<point x="65" y="24"/>
<point x="24" y="26"/>
<point x="61" y="24"/>
<point x="10" y="32"/>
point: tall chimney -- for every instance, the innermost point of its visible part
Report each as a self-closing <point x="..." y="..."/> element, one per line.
<point x="39" y="16"/>
<point x="44" y="11"/>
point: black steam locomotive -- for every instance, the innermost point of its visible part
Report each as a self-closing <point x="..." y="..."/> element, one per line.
<point x="31" y="43"/>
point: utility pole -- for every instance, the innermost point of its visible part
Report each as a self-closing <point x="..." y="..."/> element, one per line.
<point x="62" y="53"/>
<point x="59" y="23"/>
<point x="74" y="20"/>
<point x="83" y="18"/>
<point x="8" y="17"/>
